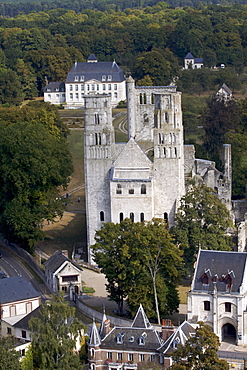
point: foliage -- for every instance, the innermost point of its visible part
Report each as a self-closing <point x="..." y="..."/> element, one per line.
<point x="9" y="357"/>
<point x="54" y="336"/>
<point x="140" y="262"/>
<point x="199" y="352"/>
<point x="34" y="162"/>
<point x="201" y="222"/>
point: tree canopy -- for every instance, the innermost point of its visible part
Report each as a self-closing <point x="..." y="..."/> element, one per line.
<point x="54" y="336"/>
<point x="199" y="352"/>
<point x="141" y="263"/>
<point x="34" y="162"/>
<point x="9" y="357"/>
<point x="202" y="222"/>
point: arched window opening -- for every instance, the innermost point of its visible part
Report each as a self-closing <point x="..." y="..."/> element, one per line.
<point x="121" y="217"/>
<point x="175" y="152"/>
<point x="131" y="191"/>
<point x="102" y="216"/>
<point x="145" y="98"/>
<point x="140" y="98"/>
<point x="166" y="117"/>
<point x="152" y="98"/>
<point x="166" y="217"/>
<point x="96" y="139"/>
<point x="155" y="121"/>
<point x="132" y="217"/>
<point x="165" y="152"/>
<point x="143" y="189"/>
<point x="142" y="216"/>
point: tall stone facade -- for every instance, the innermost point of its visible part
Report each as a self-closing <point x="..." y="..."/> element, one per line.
<point x="145" y="177"/>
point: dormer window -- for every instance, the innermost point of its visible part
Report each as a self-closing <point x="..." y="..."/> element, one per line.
<point x="82" y="78"/>
<point x="141" y="341"/>
<point x="76" y="78"/>
<point x="109" y="78"/>
<point x="57" y="88"/>
<point x="120" y="337"/>
<point x="132" y="339"/>
<point x="103" y="78"/>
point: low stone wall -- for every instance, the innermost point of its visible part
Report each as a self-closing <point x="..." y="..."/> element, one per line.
<point x="96" y="315"/>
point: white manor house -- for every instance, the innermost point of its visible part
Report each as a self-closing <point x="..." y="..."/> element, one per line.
<point x="86" y="78"/>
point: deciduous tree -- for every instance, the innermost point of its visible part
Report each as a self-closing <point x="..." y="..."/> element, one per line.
<point x="9" y="357"/>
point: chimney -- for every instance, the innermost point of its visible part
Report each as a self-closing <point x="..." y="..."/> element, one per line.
<point x="167" y="329"/>
<point x="106" y="328"/>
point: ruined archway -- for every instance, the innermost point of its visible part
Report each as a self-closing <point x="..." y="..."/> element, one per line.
<point x="228" y="333"/>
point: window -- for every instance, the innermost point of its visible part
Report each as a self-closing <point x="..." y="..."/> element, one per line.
<point x="109" y="355"/>
<point x="69" y="278"/>
<point x="102" y="216"/>
<point x="82" y="95"/>
<point x="103" y="78"/>
<point x="130" y="357"/>
<point x="119" y="356"/>
<point x="88" y="87"/>
<point x="131" y="191"/>
<point x="64" y="288"/>
<point x="152" y="358"/>
<point x="132" y="217"/>
<point x="120" y="338"/>
<point x="82" y="78"/>
<point x="76" y="96"/>
<point x="82" y="87"/>
<point x="23" y="334"/>
<point x="115" y="95"/>
<point x="119" y="189"/>
<point x="109" y="86"/>
<point x="103" y="86"/>
<point x="76" y="78"/>
<point x="22" y="352"/>
<point x="166" y="217"/>
<point x="115" y="86"/>
<point x="93" y="87"/>
<point x="131" y="339"/>
<point x="206" y="306"/>
<point x="76" y="87"/>
<point x="57" y="89"/>
<point x="96" y="118"/>
<point x="109" y="78"/>
<point x="49" y="96"/>
<point x="97" y="87"/>
<point x="70" y="88"/>
<point x="71" y="96"/>
<point x="143" y="189"/>
<point x="142" y="357"/>
<point x="141" y="340"/>
<point x="142" y="217"/>
<point x="9" y="331"/>
<point x="120" y="216"/>
<point x="228" y="307"/>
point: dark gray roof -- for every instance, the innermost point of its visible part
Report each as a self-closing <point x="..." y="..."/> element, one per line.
<point x="132" y="339"/>
<point x="180" y="336"/>
<point x="226" y="88"/>
<point x="141" y="320"/>
<point x="189" y="56"/>
<point x="23" y="323"/>
<point x="91" y="57"/>
<point x="198" y="60"/>
<point x="95" y="71"/>
<point x="56" y="260"/>
<point x="16" y="288"/>
<point x="55" y="87"/>
<point x="221" y="266"/>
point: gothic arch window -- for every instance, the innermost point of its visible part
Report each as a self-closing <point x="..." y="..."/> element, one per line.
<point x="166" y="117"/>
<point x="96" y="139"/>
<point x="121" y="217"/>
<point x="142" y="216"/>
<point x="132" y="217"/>
<point x="140" y="98"/>
<point x="102" y="216"/>
<point x="96" y="118"/>
<point x="144" y="98"/>
<point x="143" y="189"/>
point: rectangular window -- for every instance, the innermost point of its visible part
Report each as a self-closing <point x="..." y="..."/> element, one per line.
<point x="71" y="96"/>
<point x="76" y="78"/>
<point x="82" y="78"/>
<point x="103" y="86"/>
<point x="76" y="87"/>
<point x="93" y="87"/>
<point x="69" y="278"/>
<point x="131" y="191"/>
<point x="82" y="95"/>
<point x="206" y="306"/>
<point x="109" y="355"/>
<point x="97" y="87"/>
<point x="152" y="358"/>
<point x="82" y="87"/>
<point x="115" y="86"/>
<point x="57" y="96"/>
<point x="9" y="331"/>
<point x="119" y="356"/>
<point x="109" y="86"/>
<point x="142" y="357"/>
<point x="88" y="87"/>
<point x="130" y="357"/>
<point x="70" y="88"/>
<point x="228" y="307"/>
<point x="76" y="96"/>
<point x="115" y="95"/>
<point x="23" y="334"/>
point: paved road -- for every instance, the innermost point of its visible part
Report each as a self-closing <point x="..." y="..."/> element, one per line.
<point x="12" y="267"/>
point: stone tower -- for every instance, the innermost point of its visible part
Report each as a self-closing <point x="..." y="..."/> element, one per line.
<point x="99" y="147"/>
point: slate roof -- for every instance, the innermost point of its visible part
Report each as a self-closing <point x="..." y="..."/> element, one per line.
<point x="56" y="260"/>
<point x="226" y="88"/>
<point x="55" y="87"/>
<point x="23" y="323"/>
<point x="141" y="320"/>
<point x="94" y="339"/>
<point x="217" y="265"/>
<point x="91" y="57"/>
<point x="95" y="71"/>
<point x="180" y="336"/>
<point x="196" y="60"/>
<point x="189" y="56"/>
<point x="16" y="288"/>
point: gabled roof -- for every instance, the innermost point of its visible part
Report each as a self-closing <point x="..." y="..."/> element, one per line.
<point x="92" y="57"/>
<point x="95" y="71"/>
<point x="180" y="336"/>
<point x="16" y="288"/>
<point x="226" y="88"/>
<point x="56" y="260"/>
<point x="217" y="265"/>
<point x="94" y="339"/>
<point x="141" y="320"/>
<point x="55" y="87"/>
<point x="189" y="56"/>
<point x="23" y="323"/>
<point x="198" y="60"/>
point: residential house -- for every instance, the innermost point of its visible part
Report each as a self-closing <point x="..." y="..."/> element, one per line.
<point x="218" y="294"/>
<point x="224" y="93"/>
<point x="54" y="93"/>
<point x="62" y="273"/>
<point x="192" y="63"/>
<point x="123" y="348"/>
<point x="18" y="298"/>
